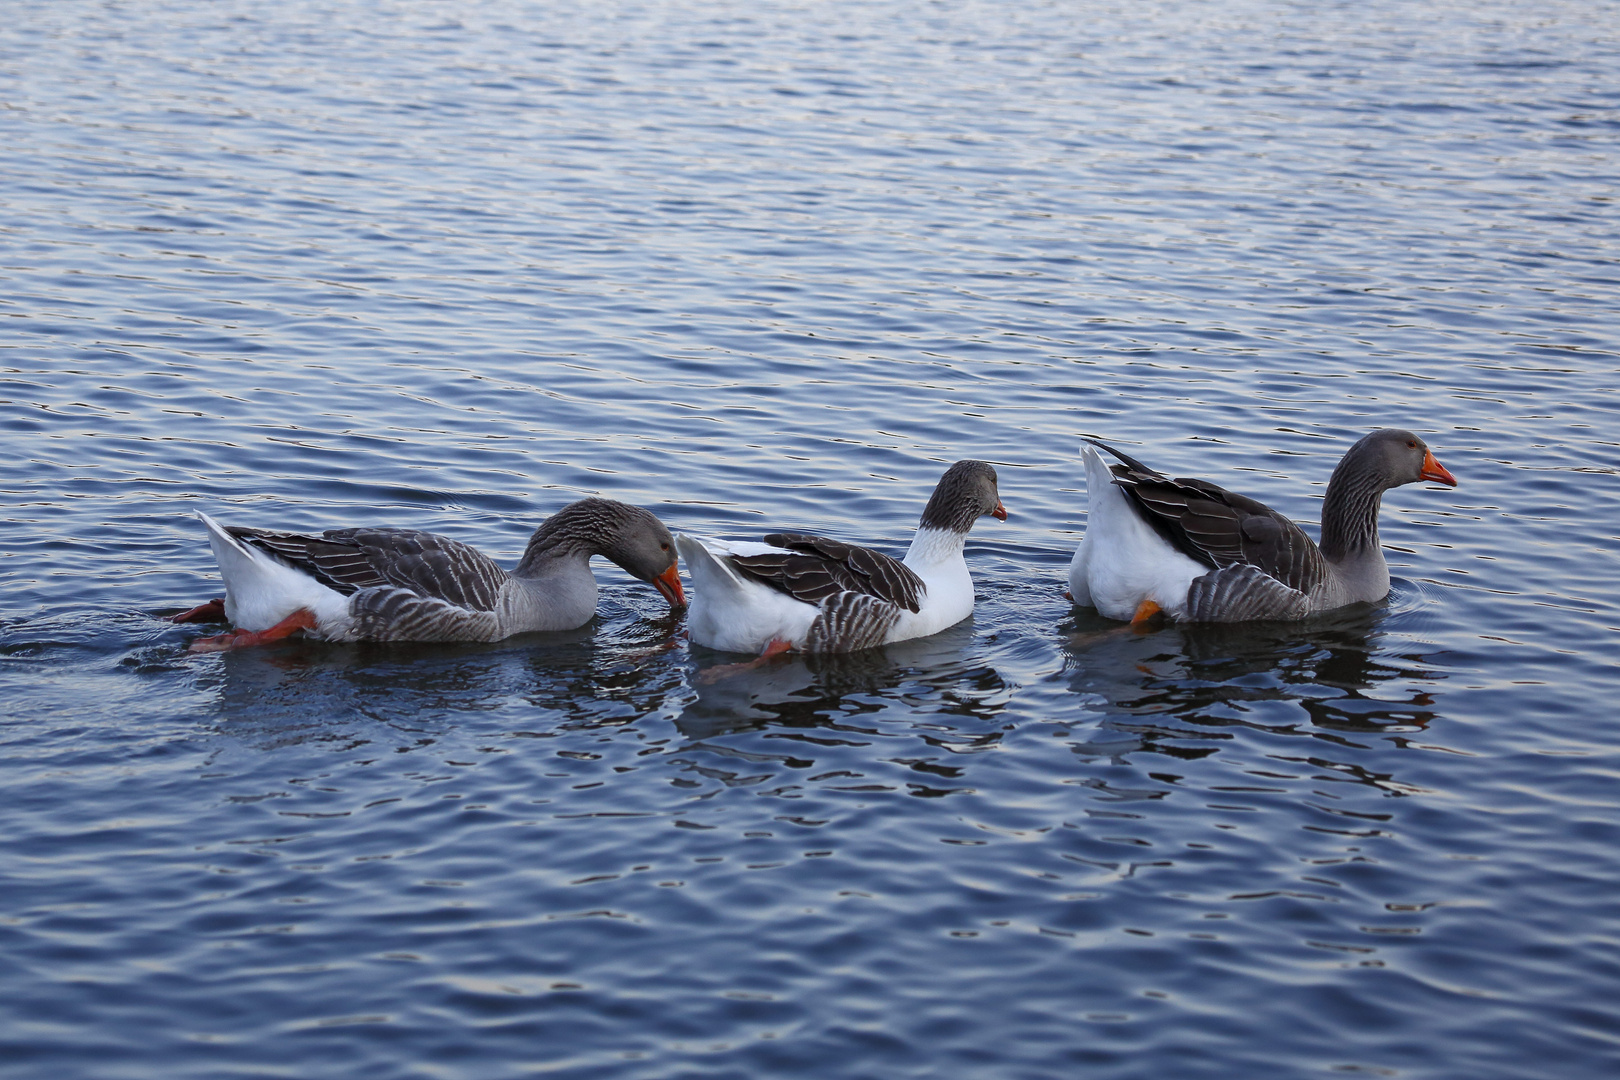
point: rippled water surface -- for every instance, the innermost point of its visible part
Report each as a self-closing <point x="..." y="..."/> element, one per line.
<point x="772" y="264"/>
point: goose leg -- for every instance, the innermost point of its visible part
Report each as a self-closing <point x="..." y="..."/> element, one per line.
<point x="212" y="611"/>
<point x="1146" y="612"/>
<point x="302" y="619"/>
<point x="773" y="648"/>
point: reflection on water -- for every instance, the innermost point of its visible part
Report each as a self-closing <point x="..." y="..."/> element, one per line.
<point x="922" y="701"/>
<point x="596" y="675"/>
<point x="798" y="690"/>
<point x="1179" y="690"/>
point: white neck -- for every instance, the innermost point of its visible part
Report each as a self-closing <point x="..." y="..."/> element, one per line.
<point x="930" y="547"/>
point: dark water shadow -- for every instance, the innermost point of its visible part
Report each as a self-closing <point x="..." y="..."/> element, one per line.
<point x="939" y="674"/>
<point x="603" y="674"/>
<point x="1185" y="689"/>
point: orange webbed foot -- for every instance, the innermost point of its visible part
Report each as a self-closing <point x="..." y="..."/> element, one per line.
<point x="302" y="619"/>
<point x="773" y="649"/>
<point x="1145" y="619"/>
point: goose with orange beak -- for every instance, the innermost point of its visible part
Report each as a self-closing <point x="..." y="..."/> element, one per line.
<point x="1195" y="551"/>
<point x="404" y="585"/>
<point x="813" y="594"/>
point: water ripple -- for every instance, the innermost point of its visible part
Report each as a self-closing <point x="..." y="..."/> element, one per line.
<point x="318" y="265"/>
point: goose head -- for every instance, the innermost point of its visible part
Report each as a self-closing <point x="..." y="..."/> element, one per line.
<point x="1392" y="457"/>
<point x="635" y="540"/>
<point x="964" y="494"/>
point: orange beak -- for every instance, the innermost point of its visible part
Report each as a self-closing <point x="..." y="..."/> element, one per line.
<point x="1433" y="470"/>
<point x="1000" y="512"/>
<point x="669" y="583"/>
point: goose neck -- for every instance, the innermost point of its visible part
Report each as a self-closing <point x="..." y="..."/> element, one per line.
<point x="570" y="536"/>
<point x="1350" y="512"/>
<point x="549" y="556"/>
<point x="931" y="546"/>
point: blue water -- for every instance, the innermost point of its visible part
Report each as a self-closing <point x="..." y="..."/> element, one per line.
<point x="764" y="265"/>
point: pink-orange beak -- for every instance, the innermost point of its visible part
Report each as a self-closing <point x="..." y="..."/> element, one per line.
<point x="669" y="583"/>
<point x="1000" y="512"/>
<point x="1433" y="470"/>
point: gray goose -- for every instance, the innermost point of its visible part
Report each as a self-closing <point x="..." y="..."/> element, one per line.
<point x="1201" y="553"/>
<point x="797" y="591"/>
<point x="403" y="585"/>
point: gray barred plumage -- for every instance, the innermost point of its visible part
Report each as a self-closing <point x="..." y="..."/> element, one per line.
<point x="1240" y="593"/>
<point x="849" y="621"/>
<point x="392" y="614"/>
<point x="1262" y="565"/>
<point x="408" y="585"/>
<point x="349" y="560"/>
<point x="812" y="568"/>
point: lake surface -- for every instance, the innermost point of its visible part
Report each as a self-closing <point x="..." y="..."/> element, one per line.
<point x="762" y="265"/>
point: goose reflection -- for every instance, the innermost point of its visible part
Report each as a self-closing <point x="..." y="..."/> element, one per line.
<point x="598" y="675"/>
<point x="1175" y="690"/>
<point x="824" y="690"/>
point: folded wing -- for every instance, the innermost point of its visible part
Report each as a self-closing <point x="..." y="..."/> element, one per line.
<point x="423" y="563"/>
<point x="1220" y="528"/>
<point x="812" y="568"/>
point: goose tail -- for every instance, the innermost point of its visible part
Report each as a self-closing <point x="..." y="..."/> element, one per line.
<point x="262" y="590"/>
<point x="711" y="573"/>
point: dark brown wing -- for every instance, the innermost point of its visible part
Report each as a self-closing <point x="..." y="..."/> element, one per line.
<point x="1220" y="528"/>
<point x="349" y="560"/>
<point x="812" y="568"/>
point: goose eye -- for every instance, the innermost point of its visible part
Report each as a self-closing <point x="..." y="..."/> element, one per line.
<point x="664" y="547"/>
<point x="1411" y="444"/>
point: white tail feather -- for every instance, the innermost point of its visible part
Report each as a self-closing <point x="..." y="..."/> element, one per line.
<point x="707" y="571"/>
<point x="261" y="590"/>
<point x="734" y="613"/>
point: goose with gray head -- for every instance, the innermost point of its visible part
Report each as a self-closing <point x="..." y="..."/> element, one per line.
<point x="376" y="584"/>
<point x="796" y="591"/>
<point x="1201" y="553"/>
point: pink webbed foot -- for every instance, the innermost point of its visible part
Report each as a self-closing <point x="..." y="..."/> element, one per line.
<point x="213" y="611"/>
<point x="773" y="648"/>
<point x="302" y="619"/>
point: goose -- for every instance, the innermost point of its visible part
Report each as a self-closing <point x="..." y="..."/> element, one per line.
<point x="1198" y="552"/>
<point x="377" y="584"/>
<point x="796" y="591"/>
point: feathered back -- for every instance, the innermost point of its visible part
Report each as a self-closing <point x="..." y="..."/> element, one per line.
<point x="1219" y="528"/>
<point x="348" y="560"/>
<point x="812" y="568"/>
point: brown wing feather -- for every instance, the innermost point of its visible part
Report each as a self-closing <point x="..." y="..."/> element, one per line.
<point x="427" y="564"/>
<point x="812" y="568"/>
<point x="1221" y="528"/>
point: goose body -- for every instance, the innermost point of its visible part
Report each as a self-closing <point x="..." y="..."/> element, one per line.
<point x="379" y="584"/>
<point x="1199" y="552"/>
<point x="814" y="594"/>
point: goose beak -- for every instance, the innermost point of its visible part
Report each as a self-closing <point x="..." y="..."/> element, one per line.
<point x="1433" y="470"/>
<point x="669" y="583"/>
<point x="1000" y="512"/>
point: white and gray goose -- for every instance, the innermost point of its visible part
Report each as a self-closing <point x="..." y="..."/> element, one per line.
<point x="796" y="591"/>
<point x="1199" y="552"/>
<point x="378" y="584"/>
